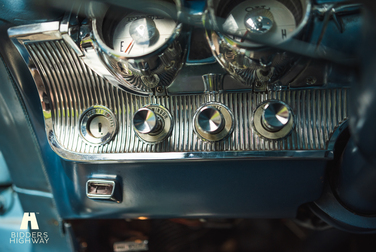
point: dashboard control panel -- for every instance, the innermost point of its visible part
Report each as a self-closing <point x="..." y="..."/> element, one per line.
<point x="130" y="79"/>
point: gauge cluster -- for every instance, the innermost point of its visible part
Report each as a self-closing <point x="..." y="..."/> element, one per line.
<point x="145" y="51"/>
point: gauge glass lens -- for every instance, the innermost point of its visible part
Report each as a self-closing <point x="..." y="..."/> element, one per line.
<point x="138" y="33"/>
<point x="268" y="20"/>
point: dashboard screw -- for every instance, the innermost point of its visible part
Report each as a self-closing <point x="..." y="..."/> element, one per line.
<point x="159" y="89"/>
<point x="311" y="80"/>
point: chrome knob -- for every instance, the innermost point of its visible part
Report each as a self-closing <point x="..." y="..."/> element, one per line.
<point x="275" y="116"/>
<point x="145" y="121"/>
<point x="210" y="120"/>
<point x="259" y="21"/>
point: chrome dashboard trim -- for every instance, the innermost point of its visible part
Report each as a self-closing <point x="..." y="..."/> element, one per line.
<point x="36" y="32"/>
<point x="67" y="87"/>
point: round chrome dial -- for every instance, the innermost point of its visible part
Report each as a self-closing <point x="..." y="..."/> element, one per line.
<point x="273" y="119"/>
<point x="210" y="120"/>
<point x="213" y="122"/>
<point x="145" y="121"/>
<point x="275" y="116"/>
<point x="152" y="123"/>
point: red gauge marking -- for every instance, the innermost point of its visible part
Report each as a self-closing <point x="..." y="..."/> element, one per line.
<point x="129" y="46"/>
<point x="245" y="34"/>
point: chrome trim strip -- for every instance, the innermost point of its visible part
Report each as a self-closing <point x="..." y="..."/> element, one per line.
<point x="190" y="156"/>
<point x="36" y="32"/>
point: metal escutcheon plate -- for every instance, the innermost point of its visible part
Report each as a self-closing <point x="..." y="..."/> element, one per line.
<point x="105" y="126"/>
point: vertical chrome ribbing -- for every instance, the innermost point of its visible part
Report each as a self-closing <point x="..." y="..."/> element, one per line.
<point x="73" y="87"/>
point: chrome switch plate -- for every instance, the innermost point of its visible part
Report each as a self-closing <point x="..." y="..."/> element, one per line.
<point x="102" y="189"/>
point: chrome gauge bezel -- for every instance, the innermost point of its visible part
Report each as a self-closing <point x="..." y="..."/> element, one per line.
<point x="246" y="63"/>
<point x="132" y="66"/>
<point x="210" y="16"/>
<point x="97" y="39"/>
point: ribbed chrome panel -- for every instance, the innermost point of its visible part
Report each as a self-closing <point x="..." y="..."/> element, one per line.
<point x="72" y="88"/>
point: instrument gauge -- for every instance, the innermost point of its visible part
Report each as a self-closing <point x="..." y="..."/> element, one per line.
<point x="139" y="34"/>
<point x="242" y="33"/>
<point x="140" y="44"/>
<point x="269" y="20"/>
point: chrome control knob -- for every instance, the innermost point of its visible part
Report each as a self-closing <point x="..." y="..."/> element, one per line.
<point x="213" y="122"/>
<point x="210" y="120"/>
<point x="152" y="123"/>
<point x="275" y="116"/>
<point x="145" y="121"/>
<point x="273" y="119"/>
<point x="259" y="21"/>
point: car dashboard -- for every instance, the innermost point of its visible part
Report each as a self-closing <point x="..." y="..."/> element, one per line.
<point x="190" y="113"/>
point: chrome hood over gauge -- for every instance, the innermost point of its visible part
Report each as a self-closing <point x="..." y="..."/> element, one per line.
<point x="241" y="30"/>
<point x="140" y="49"/>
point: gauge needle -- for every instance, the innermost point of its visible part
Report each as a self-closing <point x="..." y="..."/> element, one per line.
<point x="130" y="44"/>
<point x="243" y="38"/>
